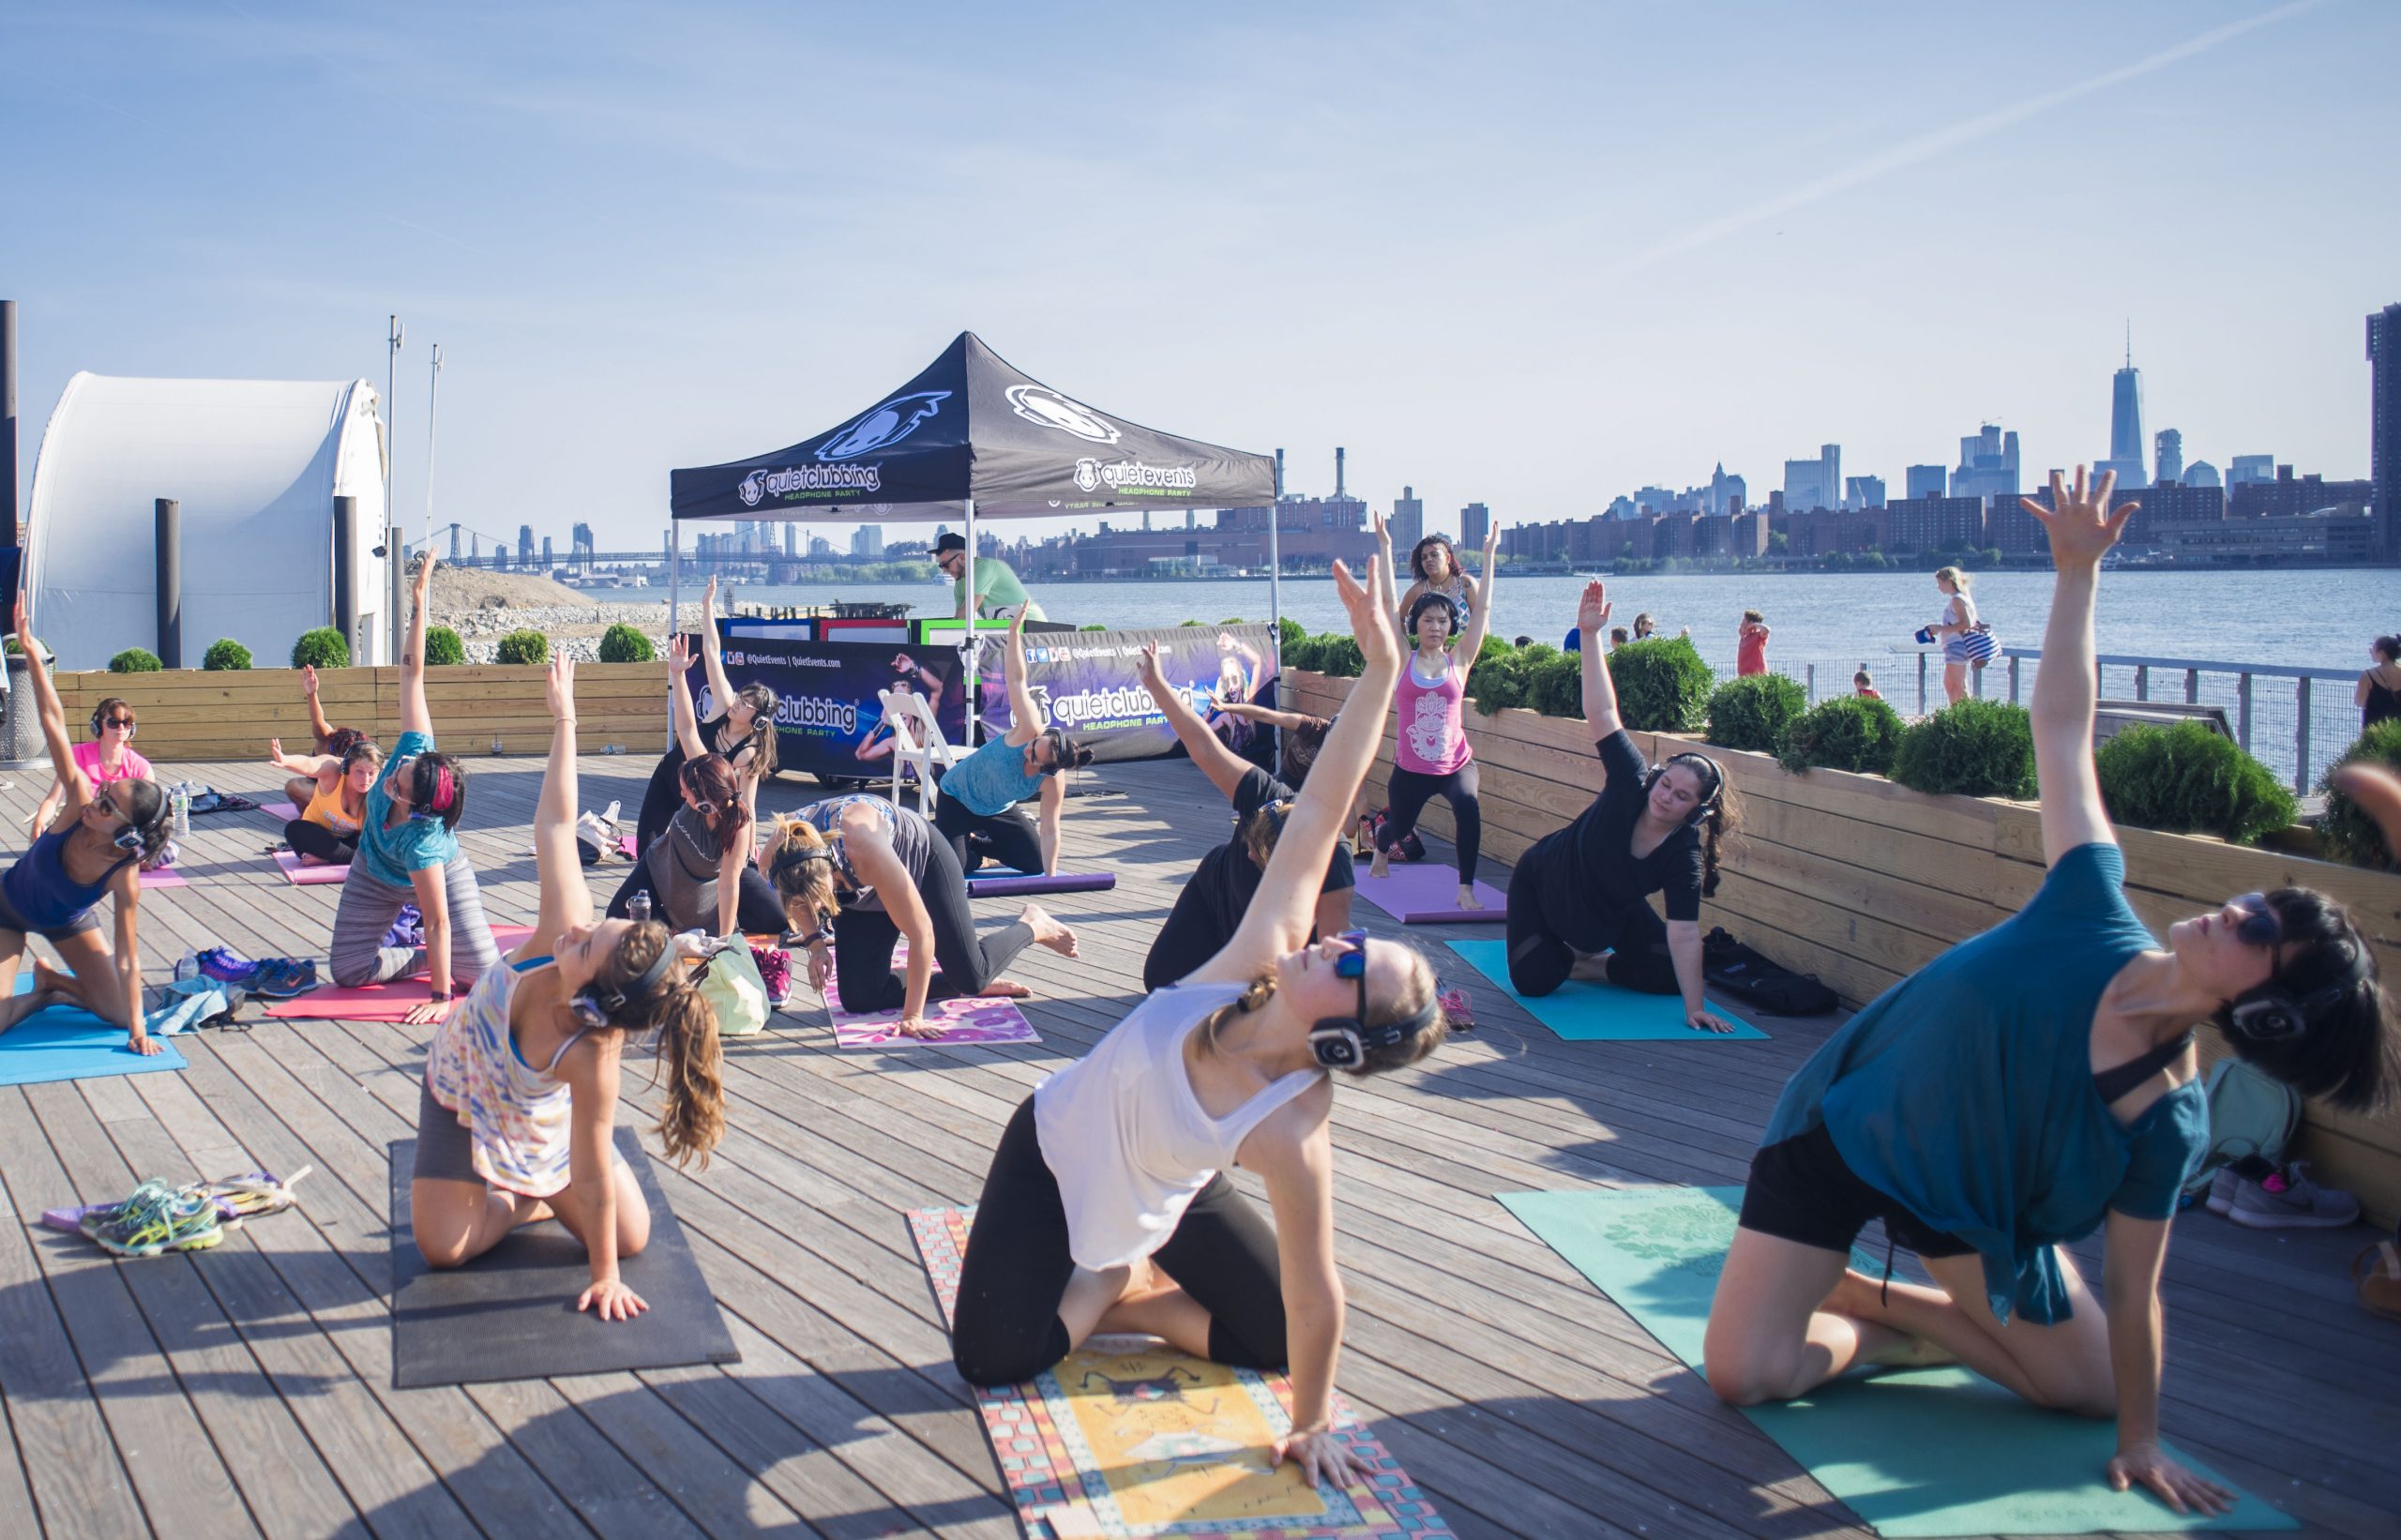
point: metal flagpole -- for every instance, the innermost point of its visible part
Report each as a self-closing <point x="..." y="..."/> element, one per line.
<point x="431" y="394"/>
<point x="974" y="650"/>
<point x="675" y="608"/>
<point x="1275" y="577"/>
<point x="392" y="524"/>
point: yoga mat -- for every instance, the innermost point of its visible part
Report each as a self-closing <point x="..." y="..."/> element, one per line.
<point x="287" y="862"/>
<point x="1127" y="1437"/>
<point x="1912" y="1452"/>
<point x="1026" y="885"/>
<point x="624" y="847"/>
<point x="510" y="1313"/>
<point x="1582" y="1011"/>
<point x="283" y="810"/>
<point x="163" y="877"/>
<point x="1418" y="894"/>
<point x="962" y="1020"/>
<point x="372" y="1001"/>
<point x="69" y="1043"/>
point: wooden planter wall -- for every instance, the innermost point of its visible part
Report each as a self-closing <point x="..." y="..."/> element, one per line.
<point x="1860" y="880"/>
<point x="194" y="714"/>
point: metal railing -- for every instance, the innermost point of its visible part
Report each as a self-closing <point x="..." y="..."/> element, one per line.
<point x="2287" y="717"/>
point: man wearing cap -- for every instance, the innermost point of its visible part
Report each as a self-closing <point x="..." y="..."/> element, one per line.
<point x="998" y="594"/>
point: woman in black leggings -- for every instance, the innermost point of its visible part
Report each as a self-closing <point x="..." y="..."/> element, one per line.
<point x="1107" y="1207"/>
<point x="858" y="873"/>
<point x="979" y="802"/>
<point x="698" y="871"/>
<point x="742" y="731"/>
<point x="1430" y="752"/>
<point x="1586" y="888"/>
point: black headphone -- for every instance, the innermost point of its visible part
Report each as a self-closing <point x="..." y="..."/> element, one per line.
<point x="96" y="724"/>
<point x="599" y="1006"/>
<point x="798" y="856"/>
<point x="1717" y="783"/>
<point x="2273" y="1014"/>
<point x="1340" y="1042"/>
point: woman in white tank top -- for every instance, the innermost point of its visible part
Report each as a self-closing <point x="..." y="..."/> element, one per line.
<point x="1107" y="1208"/>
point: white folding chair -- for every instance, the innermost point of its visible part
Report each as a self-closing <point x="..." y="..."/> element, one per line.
<point x="917" y="744"/>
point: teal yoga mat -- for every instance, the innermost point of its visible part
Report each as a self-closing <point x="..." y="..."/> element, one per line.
<point x="1585" y="1012"/>
<point x="68" y="1043"/>
<point x="1916" y="1452"/>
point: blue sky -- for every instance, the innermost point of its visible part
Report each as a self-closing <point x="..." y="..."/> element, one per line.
<point x="1533" y="255"/>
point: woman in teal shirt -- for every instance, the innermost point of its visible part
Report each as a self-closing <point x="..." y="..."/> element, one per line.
<point x="2025" y="1088"/>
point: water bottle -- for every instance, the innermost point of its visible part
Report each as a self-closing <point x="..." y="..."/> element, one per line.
<point x="638" y="910"/>
<point x="181" y="802"/>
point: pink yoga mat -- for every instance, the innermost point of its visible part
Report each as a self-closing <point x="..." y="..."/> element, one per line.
<point x="287" y="862"/>
<point x="1417" y="893"/>
<point x="283" y="810"/>
<point x="961" y="1020"/>
<point x="373" y="1001"/>
<point x="164" y="877"/>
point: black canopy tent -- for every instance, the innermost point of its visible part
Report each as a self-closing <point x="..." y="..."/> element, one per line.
<point x="973" y="435"/>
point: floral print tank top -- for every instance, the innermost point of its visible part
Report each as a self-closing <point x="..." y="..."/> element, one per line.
<point x="517" y="1114"/>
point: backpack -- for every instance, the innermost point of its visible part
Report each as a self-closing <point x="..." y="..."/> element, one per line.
<point x="1409" y="849"/>
<point x="2250" y="1113"/>
<point x="1743" y="972"/>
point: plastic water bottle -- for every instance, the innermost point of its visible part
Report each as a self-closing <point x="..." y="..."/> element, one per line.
<point x="181" y="802"/>
<point x="638" y="908"/>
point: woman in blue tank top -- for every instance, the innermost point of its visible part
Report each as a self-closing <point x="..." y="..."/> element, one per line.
<point x="2029" y="1087"/>
<point x="976" y="807"/>
<point x="93" y="849"/>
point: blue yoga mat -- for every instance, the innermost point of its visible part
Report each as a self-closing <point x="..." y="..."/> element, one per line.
<point x="69" y="1043"/>
<point x="1912" y="1452"/>
<point x="1586" y="1012"/>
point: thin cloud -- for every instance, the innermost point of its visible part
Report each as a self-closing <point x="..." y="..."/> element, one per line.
<point x="1927" y="147"/>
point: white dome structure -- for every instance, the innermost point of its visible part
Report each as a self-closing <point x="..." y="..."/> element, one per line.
<point x="256" y="466"/>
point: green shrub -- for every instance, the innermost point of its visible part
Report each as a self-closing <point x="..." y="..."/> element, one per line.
<point x="2348" y="834"/>
<point x="135" y="660"/>
<point x="1751" y="713"/>
<point x="1338" y="657"/>
<point x="1191" y="623"/>
<point x="1847" y="733"/>
<point x="322" y="648"/>
<point x="1554" y="681"/>
<point x="522" y="648"/>
<point x="1493" y="647"/>
<point x="2187" y="779"/>
<point x="1978" y="748"/>
<point x="1093" y="626"/>
<point x="1288" y="631"/>
<point x="1301" y="652"/>
<point x="1498" y="680"/>
<point x="623" y="644"/>
<point x="1662" y="684"/>
<point x="225" y="654"/>
<point x="1233" y="620"/>
<point x="443" y="648"/>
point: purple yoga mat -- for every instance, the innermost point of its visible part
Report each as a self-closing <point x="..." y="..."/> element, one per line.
<point x="287" y="862"/>
<point x="961" y="1020"/>
<point x="1029" y="883"/>
<point x="163" y="877"/>
<point x="283" y="810"/>
<point x="1418" y="893"/>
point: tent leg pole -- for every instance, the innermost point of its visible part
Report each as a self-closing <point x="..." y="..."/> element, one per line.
<point x="675" y="609"/>
<point x="1276" y="581"/>
<point x="972" y="645"/>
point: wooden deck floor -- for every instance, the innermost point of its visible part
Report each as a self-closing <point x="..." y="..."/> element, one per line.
<point x="249" y="1389"/>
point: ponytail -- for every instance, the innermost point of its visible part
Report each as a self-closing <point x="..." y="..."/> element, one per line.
<point x="1257" y="993"/>
<point x="1720" y="823"/>
<point x="800" y="864"/>
<point x="719" y="796"/>
<point x="683" y="1023"/>
<point x="762" y="702"/>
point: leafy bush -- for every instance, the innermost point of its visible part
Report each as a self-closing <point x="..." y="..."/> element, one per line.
<point x="1191" y="623"/>
<point x="1554" y="681"/>
<point x="522" y="648"/>
<point x="1338" y="657"/>
<point x="225" y="654"/>
<point x="1751" y="713"/>
<point x="1498" y="679"/>
<point x="1302" y="652"/>
<point x="1978" y="748"/>
<point x="1290" y="631"/>
<point x="443" y="648"/>
<point x="1233" y="620"/>
<point x="1662" y="683"/>
<point x="322" y="648"/>
<point x="2188" y="780"/>
<point x="623" y="644"/>
<point x="2348" y="834"/>
<point x="135" y="660"/>
<point x="1093" y="626"/>
<point x="1847" y="733"/>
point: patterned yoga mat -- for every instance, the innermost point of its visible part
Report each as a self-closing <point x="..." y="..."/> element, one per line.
<point x="1126" y="1438"/>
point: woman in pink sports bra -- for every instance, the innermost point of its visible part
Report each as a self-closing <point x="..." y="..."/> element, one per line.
<point x="1430" y="752"/>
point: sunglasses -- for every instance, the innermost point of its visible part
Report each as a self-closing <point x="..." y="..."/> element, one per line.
<point x="2259" y="926"/>
<point x="126" y="722"/>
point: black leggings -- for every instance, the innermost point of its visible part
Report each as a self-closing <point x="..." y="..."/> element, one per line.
<point x="1408" y="792"/>
<point x="660" y="798"/>
<point x="1012" y="838"/>
<point x="1539" y="961"/>
<point x="317" y="840"/>
<point x="863" y="940"/>
<point x="759" y="908"/>
<point x="1007" y="1329"/>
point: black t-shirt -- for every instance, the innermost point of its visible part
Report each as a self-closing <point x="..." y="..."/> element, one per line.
<point x="1229" y="874"/>
<point x="1590" y="874"/>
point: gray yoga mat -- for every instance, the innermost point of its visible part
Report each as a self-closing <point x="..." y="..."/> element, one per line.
<point x="510" y="1314"/>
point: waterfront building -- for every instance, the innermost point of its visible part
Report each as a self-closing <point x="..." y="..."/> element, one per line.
<point x="1924" y="480"/>
<point x="1475" y="522"/>
<point x="1935" y="524"/>
<point x="2128" y="454"/>
<point x="2384" y="426"/>
<point x="1987" y="466"/>
<point x="1863" y="491"/>
<point x="2290" y="496"/>
<point x="1408" y="521"/>
<point x="2201" y="474"/>
<point x="2245" y="468"/>
<point x="867" y="540"/>
<point x="2347" y="537"/>
<point x="1726" y="492"/>
<point x="1815" y="483"/>
<point x="2168" y="454"/>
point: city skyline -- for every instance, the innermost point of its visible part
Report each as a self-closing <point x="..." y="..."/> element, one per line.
<point x="602" y="238"/>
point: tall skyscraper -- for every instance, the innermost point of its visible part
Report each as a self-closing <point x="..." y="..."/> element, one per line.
<point x="1408" y="521"/>
<point x="2384" y="424"/>
<point x="1475" y="522"/>
<point x="1829" y="471"/>
<point x="2201" y="474"/>
<point x="1988" y="465"/>
<point x="2128" y="455"/>
<point x="1923" y="481"/>
<point x="1860" y="492"/>
<point x="2168" y="463"/>
<point x="2247" y="468"/>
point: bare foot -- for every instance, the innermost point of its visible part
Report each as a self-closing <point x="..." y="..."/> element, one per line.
<point x="1913" y="1352"/>
<point x="537" y="1211"/>
<point x="1467" y="897"/>
<point x="51" y="980"/>
<point x="1047" y="932"/>
<point x="1006" y="988"/>
<point x="1383" y="864"/>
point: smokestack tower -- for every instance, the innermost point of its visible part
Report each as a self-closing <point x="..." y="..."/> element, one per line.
<point x="1279" y="473"/>
<point x="1338" y="470"/>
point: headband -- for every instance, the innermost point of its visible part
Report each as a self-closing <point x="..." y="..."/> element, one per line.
<point x="797" y="857"/>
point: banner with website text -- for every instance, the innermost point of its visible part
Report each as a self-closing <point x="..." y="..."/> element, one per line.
<point x="830" y="717"/>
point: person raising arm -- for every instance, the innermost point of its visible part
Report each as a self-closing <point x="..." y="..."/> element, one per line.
<point x="980" y="795"/>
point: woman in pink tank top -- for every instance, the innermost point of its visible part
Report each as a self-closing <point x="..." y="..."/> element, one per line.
<point x="1430" y="752"/>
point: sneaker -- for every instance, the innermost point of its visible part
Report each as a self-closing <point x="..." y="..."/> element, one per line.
<point x="280" y="978"/>
<point x="2287" y="1199"/>
<point x="2230" y="1177"/>
<point x="227" y="966"/>
<point x="181" y="1219"/>
<point x="91" y="1221"/>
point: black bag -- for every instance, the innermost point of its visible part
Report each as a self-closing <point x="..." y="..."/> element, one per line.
<point x="1743" y="972"/>
<point x="1409" y="849"/>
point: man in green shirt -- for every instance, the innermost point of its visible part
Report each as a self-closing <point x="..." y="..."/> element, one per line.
<point x="998" y="594"/>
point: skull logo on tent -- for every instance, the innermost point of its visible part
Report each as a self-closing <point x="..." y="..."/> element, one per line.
<point x="885" y="425"/>
<point x="1036" y="403"/>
